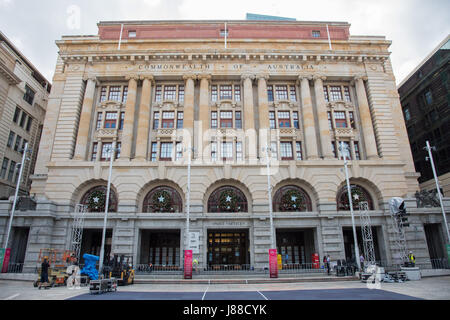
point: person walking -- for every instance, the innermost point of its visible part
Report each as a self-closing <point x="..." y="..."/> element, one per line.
<point x="328" y="264"/>
<point x="361" y="260"/>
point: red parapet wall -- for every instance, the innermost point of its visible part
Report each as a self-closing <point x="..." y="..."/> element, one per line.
<point x="212" y="31"/>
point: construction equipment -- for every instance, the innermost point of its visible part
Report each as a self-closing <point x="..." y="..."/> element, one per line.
<point x="58" y="260"/>
<point x="398" y="209"/>
<point x="77" y="230"/>
<point x="121" y="268"/>
<point x="102" y="286"/>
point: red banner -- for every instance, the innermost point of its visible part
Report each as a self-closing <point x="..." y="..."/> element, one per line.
<point x="188" y="264"/>
<point x="273" y="263"/>
<point x="316" y="261"/>
<point x="6" y="260"/>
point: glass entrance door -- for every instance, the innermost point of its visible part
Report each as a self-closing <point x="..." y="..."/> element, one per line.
<point x="228" y="247"/>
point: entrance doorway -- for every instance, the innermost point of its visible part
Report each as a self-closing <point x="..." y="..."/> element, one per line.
<point x="228" y="247"/>
<point x="160" y="247"/>
<point x="296" y="246"/>
<point x="91" y="243"/>
<point x="19" y="242"/>
<point x="349" y="243"/>
<point x="435" y="241"/>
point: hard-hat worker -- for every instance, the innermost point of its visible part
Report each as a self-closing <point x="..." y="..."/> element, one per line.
<point x="44" y="271"/>
<point x="411" y="259"/>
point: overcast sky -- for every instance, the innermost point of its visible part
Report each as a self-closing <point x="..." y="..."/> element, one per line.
<point x="415" y="27"/>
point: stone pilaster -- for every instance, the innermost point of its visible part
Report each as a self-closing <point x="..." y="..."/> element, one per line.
<point x="325" y="139"/>
<point x="81" y="146"/>
<point x="204" y="115"/>
<point x="144" y="118"/>
<point x="249" y="119"/>
<point x="308" y="119"/>
<point x="128" y="126"/>
<point x="366" y="119"/>
<point x="263" y="109"/>
<point x="188" y="122"/>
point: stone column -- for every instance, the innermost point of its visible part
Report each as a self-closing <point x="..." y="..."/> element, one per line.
<point x="249" y="121"/>
<point x="81" y="146"/>
<point x="263" y="106"/>
<point x="144" y="119"/>
<point x="188" y="110"/>
<point x="325" y="139"/>
<point x="201" y="136"/>
<point x="366" y="119"/>
<point x="308" y="119"/>
<point x="128" y="126"/>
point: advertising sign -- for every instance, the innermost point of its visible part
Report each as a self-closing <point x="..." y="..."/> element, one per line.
<point x="6" y="260"/>
<point x="188" y="264"/>
<point x="279" y="262"/>
<point x="273" y="263"/>
<point x="315" y="260"/>
<point x="194" y="242"/>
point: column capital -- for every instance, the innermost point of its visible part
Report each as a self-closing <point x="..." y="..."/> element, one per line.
<point x="317" y="77"/>
<point x="304" y="77"/>
<point x="189" y="76"/>
<point x="147" y="76"/>
<point x="360" y="77"/>
<point x="132" y="77"/>
<point x="264" y="76"/>
<point x="202" y="76"/>
<point x="246" y="76"/>
<point x="90" y="77"/>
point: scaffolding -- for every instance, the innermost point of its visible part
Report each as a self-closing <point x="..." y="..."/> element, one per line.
<point x="77" y="230"/>
<point x="367" y="236"/>
<point x="400" y="254"/>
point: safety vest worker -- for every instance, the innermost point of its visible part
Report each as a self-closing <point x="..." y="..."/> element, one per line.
<point x="411" y="257"/>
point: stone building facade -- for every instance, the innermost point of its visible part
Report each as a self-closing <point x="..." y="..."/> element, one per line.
<point x="154" y="89"/>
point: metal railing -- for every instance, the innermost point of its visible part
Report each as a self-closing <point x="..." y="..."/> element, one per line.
<point x="15" y="267"/>
<point x="159" y="269"/>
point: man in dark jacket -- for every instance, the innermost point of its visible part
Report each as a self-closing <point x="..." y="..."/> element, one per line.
<point x="44" y="271"/>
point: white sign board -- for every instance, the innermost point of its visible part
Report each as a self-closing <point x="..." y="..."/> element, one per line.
<point x="194" y="242"/>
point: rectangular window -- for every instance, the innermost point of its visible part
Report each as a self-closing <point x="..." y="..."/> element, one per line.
<point x="99" y="120"/>
<point x="12" y="167"/>
<point x="114" y="93"/>
<point x="179" y="120"/>
<point x="121" y="121"/>
<point x="298" y="146"/>
<point x="281" y="92"/>
<point x="155" y="120"/>
<point x="292" y="94"/>
<point x="346" y="152"/>
<point x="238" y="120"/>
<point x="154" y="151"/>
<point x="270" y="93"/>
<point x="158" y="93"/>
<point x="23" y="119"/>
<point x="16" y="115"/>
<point x="237" y="93"/>
<point x="339" y="119"/>
<point x="132" y="34"/>
<point x="170" y="93"/>
<point x="166" y="151"/>
<point x="295" y="119"/>
<point x="213" y="93"/>
<point x="125" y="94"/>
<point x="227" y="150"/>
<point x="284" y="120"/>
<point x="352" y="119"/>
<point x="226" y="92"/>
<point x="347" y="97"/>
<point x="119" y="148"/>
<point x="106" y="151"/>
<point x="18" y="141"/>
<point x="214" y="120"/>
<point x="213" y="151"/>
<point x="315" y="34"/>
<point x="286" y="151"/>
<point x="168" y="119"/>
<point x="272" y="120"/>
<point x="226" y="119"/>
<point x="428" y="97"/>
<point x="181" y="94"/>
<point x="325" y="94"/>
<point x="29" y="95"/>
<point x="336" y="93"/>
<point x="4" y="168"/>
<point x="274" y="150"/>
<point x="179" y="151"/>
<point x="110" y="120"/>
<point x="357" y="153"/>
<point x="94" y="151"/>
<point x="10" y="139"/>
<point x="330" y="121"/>
<point x="29" y="122"/>
<point x="103" y="94"/>
<point x="239" y="151"/>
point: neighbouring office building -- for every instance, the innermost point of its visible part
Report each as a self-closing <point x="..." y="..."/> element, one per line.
<point x="151" y="89"/>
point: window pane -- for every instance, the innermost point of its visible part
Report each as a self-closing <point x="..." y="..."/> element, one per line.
<point x="16" y="115"/>
<point x="292" y="94"/>
<point x="299" y="150"/>
<point x="125" y="94"/>
<point x="270" y="93"/>
<point x="114" y="93"/>
<point x="325" y="94"/>
<point x="106" y="150"/>
<point x="214" y="93"/>
<point x="286" y="150"/>
<point x="281" y="92"/>
<point x="170" y="92"/>
<point x="155" y="120"/>
<point x="103" y="94"/>
<point x="154" y="151"/>
<point x="237" y="93"/>
<point x="10" y="139"/>
<point x="158" y="93"/>
<point x="227" y="150"/>
<point x="238" y="151"/>
<point x="4" y="168"/>
<point x="295" y="119"/>
<point x="94" y="151"/>
<point x="166" y="151"/>
<point x="336" y="93"/>
<point x="226" y="92"/>
<point x="181" y="94"/>
<point x="347" y="94"/>
<point x="340" y="120"/>
<point x="110" y="120"/>
<point x="238" y="120"/>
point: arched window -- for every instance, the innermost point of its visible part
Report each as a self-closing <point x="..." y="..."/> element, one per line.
<point x="291" y="199"/>
<point x="95" y="200"/>
<point x="163" y="199"/>
<point x="227" y="199"/>
<point x="358" y="193"/>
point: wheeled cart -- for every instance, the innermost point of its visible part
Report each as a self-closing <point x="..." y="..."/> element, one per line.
<point x="102" y="286"/>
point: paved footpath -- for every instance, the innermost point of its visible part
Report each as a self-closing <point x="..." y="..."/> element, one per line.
<point x="434" y="288"/>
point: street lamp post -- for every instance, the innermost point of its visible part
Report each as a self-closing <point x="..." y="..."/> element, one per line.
<point x="24" y="157"/>
<point x="188" y="197"/>
<point x="428" y="148"/>
<point x="269" y="192"/>
<point x="108" y="190"/>
<point x="344" y="153"/>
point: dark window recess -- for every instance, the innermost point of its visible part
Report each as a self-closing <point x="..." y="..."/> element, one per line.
<point x="29" y="95"/>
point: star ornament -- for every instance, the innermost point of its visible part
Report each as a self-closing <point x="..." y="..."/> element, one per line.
<point x="228" y="199"/>
<point x="294" y="198"/>
<point x="161" y="199"/>
<point x="356" y="197"/>
<point x="96" y="199"/>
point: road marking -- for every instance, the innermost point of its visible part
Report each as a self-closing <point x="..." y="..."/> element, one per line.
<point x="13" y="296"/>
<point x="205" y="293"/>
<point x="262" y="295"/>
